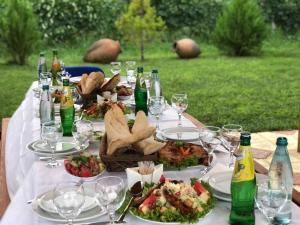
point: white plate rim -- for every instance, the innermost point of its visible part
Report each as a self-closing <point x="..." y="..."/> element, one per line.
<point x="184" y="128"/>
<point x="219" y="174"/>
<point x="39" y="150"/>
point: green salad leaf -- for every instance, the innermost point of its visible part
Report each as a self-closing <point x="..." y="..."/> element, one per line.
<point x="189" y="161"/>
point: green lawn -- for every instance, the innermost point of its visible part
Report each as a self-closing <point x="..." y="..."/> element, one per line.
<point x="261" y="93"/>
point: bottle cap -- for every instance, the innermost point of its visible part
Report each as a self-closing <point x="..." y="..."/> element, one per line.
<point x="140" y="69"/>
<point x="245" y="138"/>
<point x="154" y="71"/>
<point x="45" y="87"/>
<point x="282" y="141"/>
<point x="42" y="54"/>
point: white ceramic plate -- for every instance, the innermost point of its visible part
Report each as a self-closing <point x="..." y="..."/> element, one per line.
<point x="91" y="213"/>
<point x="41" y="146"/>
<point x="220" y="182"/>
<point x="181" y="133"/>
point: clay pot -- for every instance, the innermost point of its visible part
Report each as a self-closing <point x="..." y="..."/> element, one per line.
<point x="103" y="51"/>
<point x="186" y="48"/>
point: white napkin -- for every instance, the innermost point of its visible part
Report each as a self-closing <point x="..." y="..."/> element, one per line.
<point x="134" y="176"/>
<point x="216" y="169"/>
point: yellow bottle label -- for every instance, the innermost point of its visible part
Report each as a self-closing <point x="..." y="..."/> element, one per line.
<point x="244" y="165"/>
<point x="66" y="100"/>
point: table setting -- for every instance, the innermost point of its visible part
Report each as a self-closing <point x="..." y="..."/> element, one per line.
<point x="118" y="164"/>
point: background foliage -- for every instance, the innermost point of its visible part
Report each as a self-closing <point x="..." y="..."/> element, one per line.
<point x="241" y="29"/>
<point x="66" y="20"/>
<point x="189" y="17"/>
<point x="284" y="13"/>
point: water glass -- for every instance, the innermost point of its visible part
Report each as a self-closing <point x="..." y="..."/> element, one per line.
<point x="111" y="194"/>
<point x="82" y="131"/>
<point x="69" y="198"/>
<point x="270" y="200"/>
<point x="231" y="134"/>
<point x="115" y="67"/>
<point x="52" y="133"/>
<point x="180" y="104"/>
<point x="156" y="107"/>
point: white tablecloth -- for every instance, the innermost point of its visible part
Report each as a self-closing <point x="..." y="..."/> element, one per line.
<point x="28" y="177"/>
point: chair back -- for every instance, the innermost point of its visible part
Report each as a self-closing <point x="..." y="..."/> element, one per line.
<point x="76" y="71"/>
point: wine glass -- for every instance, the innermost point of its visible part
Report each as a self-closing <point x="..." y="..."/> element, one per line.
<point x="180" y="104"/>
<point x="270" y="199"/>
<point x="130" y="71"/>
<point x="82" y="131"/>
<point x="208" y="137"/>
<point x="147" y="79"/>
<point x="69" y="198"/>
<point x="111" y="194"/>
<point x="115" y="67"/>
<point x="52" y="133"/>
<point x="156" y="107"/>
<point x="231" y="133"/>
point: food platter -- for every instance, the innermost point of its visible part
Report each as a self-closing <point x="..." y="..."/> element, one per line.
<point x="92" y="209"/>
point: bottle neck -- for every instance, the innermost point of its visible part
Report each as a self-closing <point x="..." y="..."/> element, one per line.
<point x="281" y="150"/>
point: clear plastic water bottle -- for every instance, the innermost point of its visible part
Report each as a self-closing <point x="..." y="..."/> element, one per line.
<point x="155" y="87"/>
<point x="46" y="105"/>
<point x="42" y="67"/>
<point x="281" y="172"/>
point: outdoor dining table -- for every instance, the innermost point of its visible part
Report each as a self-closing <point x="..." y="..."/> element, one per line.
<point x="28" y="176"/>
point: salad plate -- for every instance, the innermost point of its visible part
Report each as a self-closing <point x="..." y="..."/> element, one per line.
<point x="91" y="211"/>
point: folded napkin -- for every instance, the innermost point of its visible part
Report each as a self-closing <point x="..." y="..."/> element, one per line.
<point x="134" y="176"/>
<point x="260" y="154"/>
<point x="218" y="168"/>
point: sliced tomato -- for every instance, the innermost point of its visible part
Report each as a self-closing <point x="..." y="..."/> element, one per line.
<point x="199" y="188"/>
<point x="85" y="171"/>
<point x="150" y="200"/>
<point x="162" y="179"/>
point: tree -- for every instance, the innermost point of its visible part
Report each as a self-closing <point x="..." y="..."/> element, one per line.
<point x="241" y="29"/>
<point x="19" y="30"/>
<point x="140" y="24"/>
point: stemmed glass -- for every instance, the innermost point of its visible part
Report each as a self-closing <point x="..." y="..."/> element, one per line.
<point x="82" y="131"/>
<point x="180" y="104"/>
<point x="208" y="137"/>
<point x="69" y="198"/>
<point x="130" y="70"/>
<point x="147" y="79"/>
<point x="270" y="199"/>
<point x="52" y="133"/>
<point x="111" y="194"/>
<point x="156" y="107"/>
<point x="231" y="133"/>
<point x="115" y="67"/>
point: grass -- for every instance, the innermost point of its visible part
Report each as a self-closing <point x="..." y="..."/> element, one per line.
<point x="260" y="93"/>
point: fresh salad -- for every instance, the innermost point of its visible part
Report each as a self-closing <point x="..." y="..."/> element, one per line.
<point x="174" y="201"/>
<point x="84" y="165"/>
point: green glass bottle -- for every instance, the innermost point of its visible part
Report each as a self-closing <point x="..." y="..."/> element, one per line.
<point x="243" y="185"/>
<point x="55" y="68"/>
<point x="140" y="93"/>
<point x="67" y="110"/>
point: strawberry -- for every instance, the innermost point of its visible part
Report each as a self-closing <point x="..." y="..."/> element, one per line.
<point x="162" y="179"/>
<point x="150" y="200"/>
<point x="199" y="188"/>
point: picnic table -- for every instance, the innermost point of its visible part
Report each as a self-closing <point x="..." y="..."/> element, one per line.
<point x="27" y="176"/>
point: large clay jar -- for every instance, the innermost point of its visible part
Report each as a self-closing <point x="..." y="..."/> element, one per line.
<point x="103" y="51"/>
<point x="186" y="48"/>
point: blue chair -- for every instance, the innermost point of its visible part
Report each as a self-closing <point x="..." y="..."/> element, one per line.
<point x="76" y="71"/>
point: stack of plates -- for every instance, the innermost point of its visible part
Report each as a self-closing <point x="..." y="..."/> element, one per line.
<point x="220" y="184"/>
<point x="43" y="206"/>
<point x="65" y="147"/>
<point x="187" y="134"/>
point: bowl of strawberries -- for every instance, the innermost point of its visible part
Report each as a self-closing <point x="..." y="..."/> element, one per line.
<point x="85" y="166"/>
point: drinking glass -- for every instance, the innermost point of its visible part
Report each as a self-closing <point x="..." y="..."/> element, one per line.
<point x="180" y="104"/>
<point x="75" y="95"/>
<point x="208" y="137"/>
<point x="52" y="133"/>
<point x="82" y="131"/>
<point x="270" y="200"/>
<point x="69" y="198"/>
<point x="231" y="133"/>
<point x="147" y="79"/>
<point x="111" y="194"/>
<point x="115" y="67"/>
<point x="156" y="107"/>
<point x="130" y="73"/>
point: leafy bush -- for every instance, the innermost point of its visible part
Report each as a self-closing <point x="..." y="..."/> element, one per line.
<point x="284" y="13"/>
<point x="66" y="20"/>
<point x="189" y="17"/>
<point x="241" y="29"/>
<point x="140" y="24"/>
<point x="19" y="33"/>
